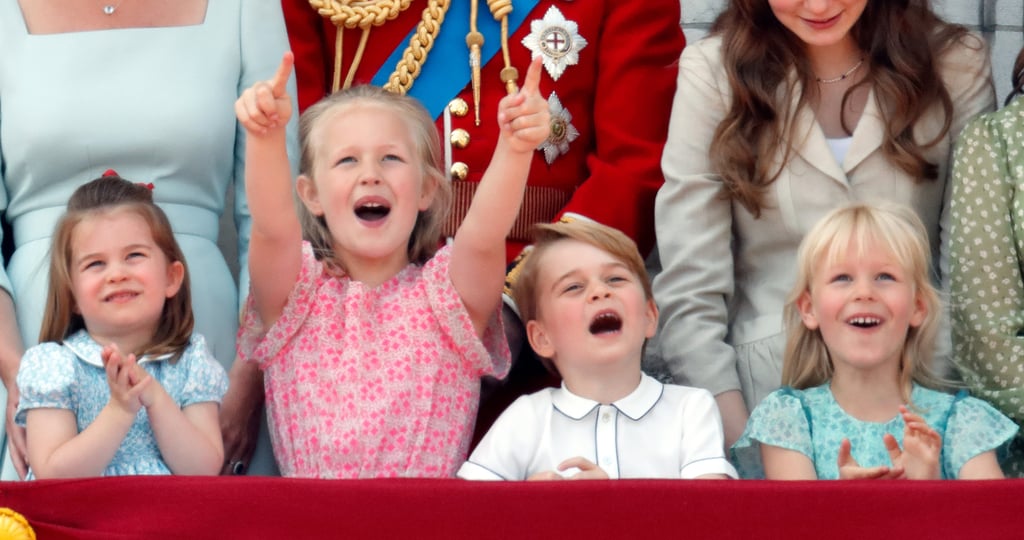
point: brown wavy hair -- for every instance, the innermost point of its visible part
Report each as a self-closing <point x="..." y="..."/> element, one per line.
<point x="426" y="233"/>
<point x="1018" y="77"/>
<point x="100" y="197"/>
<point x="902" y="41"/>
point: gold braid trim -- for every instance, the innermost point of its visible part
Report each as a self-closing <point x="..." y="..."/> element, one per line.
<point x="363" y="14"/>
<point x="500" y="10"/>
<point x="408" y="68"/>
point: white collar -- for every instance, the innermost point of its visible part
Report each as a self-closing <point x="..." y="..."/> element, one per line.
<point x="90" y="352"/>
<point x="638" y="403"/>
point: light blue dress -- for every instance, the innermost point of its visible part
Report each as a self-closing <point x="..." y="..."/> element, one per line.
<point x="812" y="423"/>
<point x="154" y="104"/>
<point x="71" y="376"/>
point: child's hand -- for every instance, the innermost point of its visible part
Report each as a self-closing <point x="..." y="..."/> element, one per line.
<point x="267" y="105"/>
<point x="588" y="471"/>
<point x="849" y="469"/>
<point x="124" y="394"/>
<point x="922" y="447"/>
<point x="139" y="377"/>
<point x="523" y="117"/>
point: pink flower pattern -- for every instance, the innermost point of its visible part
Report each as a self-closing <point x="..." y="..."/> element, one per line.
<point x="365" y="383"/>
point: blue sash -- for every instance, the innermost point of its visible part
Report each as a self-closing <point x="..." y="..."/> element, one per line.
<point x="440" y="81"/>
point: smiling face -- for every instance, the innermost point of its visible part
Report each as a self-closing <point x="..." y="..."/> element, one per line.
<point x="120" y="278"/>
<point x="368" y="184"/>
<point x="819" y="23"/>
<point x="591" y="309"/>
<point x="864" y="302"/>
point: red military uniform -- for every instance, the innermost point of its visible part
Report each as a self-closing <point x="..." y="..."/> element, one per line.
<point x="618" y="94"/>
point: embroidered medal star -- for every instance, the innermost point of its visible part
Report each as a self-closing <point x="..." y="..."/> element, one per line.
<point x="557" y="40"/>
<point x="562" y="131"/>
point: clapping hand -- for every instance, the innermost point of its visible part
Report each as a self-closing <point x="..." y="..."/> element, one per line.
<point x="922" y="447"/>
<point x="849" y="469"/>
<point x="123" y="376"/>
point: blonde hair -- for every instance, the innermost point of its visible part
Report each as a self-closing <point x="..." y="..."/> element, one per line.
<point x="426" y="233"/>
<point x="103" y="196"/>
<point x="899" y="231"/>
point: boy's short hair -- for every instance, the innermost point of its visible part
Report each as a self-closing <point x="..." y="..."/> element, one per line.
<point x="607" y="239"/>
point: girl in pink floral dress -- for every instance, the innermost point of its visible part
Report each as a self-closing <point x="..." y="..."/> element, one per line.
<point x="371" y="339"/>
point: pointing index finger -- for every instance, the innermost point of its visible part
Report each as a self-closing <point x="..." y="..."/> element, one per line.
<point x="279" y="83"/>
<point x="532" y="82"/>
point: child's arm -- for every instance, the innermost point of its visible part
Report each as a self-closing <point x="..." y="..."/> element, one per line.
<point x="55" y="447"/>
<point x="275" y="245"/>
<point x="983" y="466"/>
<point x="478" y="252"/>
<point x="189" y="438"/>
<point x="785" y="464"/>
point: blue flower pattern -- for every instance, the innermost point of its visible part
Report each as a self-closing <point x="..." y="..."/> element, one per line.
<point x="812" y="423"/>
<point x="70" y="375"/>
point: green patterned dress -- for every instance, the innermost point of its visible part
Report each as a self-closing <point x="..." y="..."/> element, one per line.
<point x="986" y="252"/>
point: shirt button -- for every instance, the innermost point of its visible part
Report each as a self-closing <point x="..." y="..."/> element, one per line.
<point x="606" y="417"/>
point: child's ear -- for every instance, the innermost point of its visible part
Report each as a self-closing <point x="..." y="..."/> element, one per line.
<point x="920" y="311"/>
<point x="175" y="277"/>
<point x="308" y="194"/>
<point x="806" y="307"/>
<point x="539" y="340"/>
<point x="430" y="188"/>
<point x="651" y="324"/>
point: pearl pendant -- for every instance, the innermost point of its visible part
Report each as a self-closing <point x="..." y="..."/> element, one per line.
<point x="109" y="9"/>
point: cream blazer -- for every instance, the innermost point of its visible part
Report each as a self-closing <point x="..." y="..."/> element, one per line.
<point x="725" y="275"/>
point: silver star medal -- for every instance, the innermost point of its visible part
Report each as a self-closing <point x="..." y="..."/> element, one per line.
<point x="557" y="40"/>
<point x="562" y="131"/>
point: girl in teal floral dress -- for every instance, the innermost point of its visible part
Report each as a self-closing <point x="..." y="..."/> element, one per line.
<point x="119" y="383"/>
<point x="859" y="399"/>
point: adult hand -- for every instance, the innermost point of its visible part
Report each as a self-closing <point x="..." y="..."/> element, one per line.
<point x="240" y="416"/>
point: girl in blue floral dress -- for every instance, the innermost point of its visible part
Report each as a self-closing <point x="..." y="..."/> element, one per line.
<point x="119" y="384"/>
<point x="859" y="399"/>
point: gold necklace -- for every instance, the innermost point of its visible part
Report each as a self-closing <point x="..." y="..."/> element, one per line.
<point x="848" y="72"/>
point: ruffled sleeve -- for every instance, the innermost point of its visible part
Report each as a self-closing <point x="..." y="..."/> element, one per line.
<point x="973" y="427"/>
<point x="781" y="419"/>
<point x="259" y="344"/>
<point x="45" y="379"/>
<point x="488" y="354"/>
<point x="206" y="380"/>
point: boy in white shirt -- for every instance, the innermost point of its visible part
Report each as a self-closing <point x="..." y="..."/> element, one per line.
<point x="586" y="299"/>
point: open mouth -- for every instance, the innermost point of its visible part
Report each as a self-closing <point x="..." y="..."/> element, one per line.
<point x="864" y="322"/>
<point x="372" y="211"/>
<point x="606" y="323"/>
<point x="120" y="296"/>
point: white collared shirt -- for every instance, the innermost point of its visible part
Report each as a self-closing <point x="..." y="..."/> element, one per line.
<point x="657" y="431"/>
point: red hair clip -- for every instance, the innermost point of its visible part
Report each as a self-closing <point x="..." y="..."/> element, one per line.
<point x="148" y="186"/>
<point x="110" y="172"/>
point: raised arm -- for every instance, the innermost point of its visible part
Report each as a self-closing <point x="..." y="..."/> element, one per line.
<point x="275" y="242"/>
<point x="478" y="253"/>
